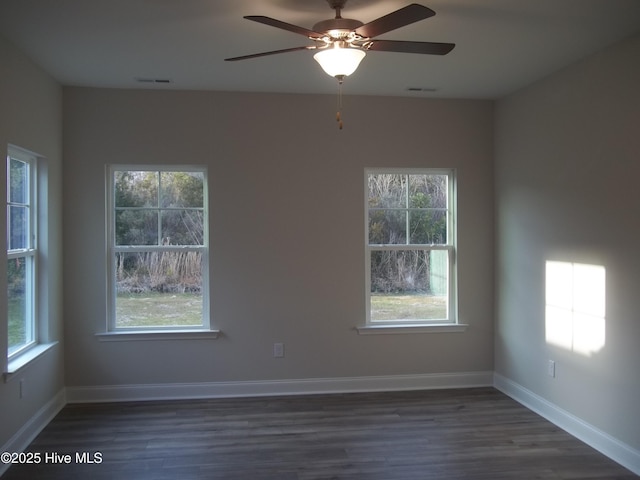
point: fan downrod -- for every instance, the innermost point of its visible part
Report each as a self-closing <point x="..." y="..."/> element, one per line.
<point x="337" y="5"/>
<point x="339" y="26"/>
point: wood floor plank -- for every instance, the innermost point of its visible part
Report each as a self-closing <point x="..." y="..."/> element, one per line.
<point x="475" y="434"/>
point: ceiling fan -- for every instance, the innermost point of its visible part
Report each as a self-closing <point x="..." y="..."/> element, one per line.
<point x="342" y="42"/>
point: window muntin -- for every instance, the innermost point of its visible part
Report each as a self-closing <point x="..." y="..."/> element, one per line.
<point x="21" y="252"/>
<point x="158" y="249"/>
<point x="410" y="235"/>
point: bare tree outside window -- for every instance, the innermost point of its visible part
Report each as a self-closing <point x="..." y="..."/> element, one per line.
<point x="22" y="252"/>
<point x="409" y="245"/>
<point x="158" y="248"/>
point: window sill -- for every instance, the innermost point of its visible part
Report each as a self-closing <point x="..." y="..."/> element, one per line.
<point x="14" y="366"/>
<point x="411" y="328"/>
<point x="158" y="335"/>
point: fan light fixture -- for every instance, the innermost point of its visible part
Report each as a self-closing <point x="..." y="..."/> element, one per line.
<point x="339" y="61"/>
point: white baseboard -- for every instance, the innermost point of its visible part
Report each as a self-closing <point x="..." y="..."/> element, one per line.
<point x="119" y="393"/>
<point x="613" y="448"/>
<point x="23" y="437"/>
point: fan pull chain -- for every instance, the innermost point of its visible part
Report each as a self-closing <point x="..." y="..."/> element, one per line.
<point x="338" y="113"/>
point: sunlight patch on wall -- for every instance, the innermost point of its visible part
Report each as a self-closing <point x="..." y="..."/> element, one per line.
<point x="575" y="306"/>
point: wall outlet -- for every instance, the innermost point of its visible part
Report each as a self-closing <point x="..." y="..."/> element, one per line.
<point x="278" y="350"/>
<point x="551" y="368"/>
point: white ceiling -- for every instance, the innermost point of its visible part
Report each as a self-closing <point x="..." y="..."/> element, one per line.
<point x="501" y="45"/>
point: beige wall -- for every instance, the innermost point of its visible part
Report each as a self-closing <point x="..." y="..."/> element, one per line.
<point x="31" y="118"/>
<point x="286" y="215"/>
<point x="567" y="170"/>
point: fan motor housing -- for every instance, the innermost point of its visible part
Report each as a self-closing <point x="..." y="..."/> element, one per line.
<point x="340" y="25"/>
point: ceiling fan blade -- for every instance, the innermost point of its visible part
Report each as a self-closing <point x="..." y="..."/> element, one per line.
<point x="283" y="25"/>
<point x="274" y="52"/>
<point x="405" y="16"/>
<point x="428" y="48"/>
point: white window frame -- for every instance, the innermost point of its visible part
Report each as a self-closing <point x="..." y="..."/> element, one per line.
<point x="113" y="332"/>
<point x="30" y="252"/>
<point x="449" y="324"/>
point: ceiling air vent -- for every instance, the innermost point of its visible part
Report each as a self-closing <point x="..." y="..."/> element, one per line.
<point x="154" y="80"/>
<point x="422" y="89"/>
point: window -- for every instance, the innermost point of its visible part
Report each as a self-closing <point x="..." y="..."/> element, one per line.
<point x="157" y="249"/>
<point x="410" y="247"/>
<point x="22" y="253"/>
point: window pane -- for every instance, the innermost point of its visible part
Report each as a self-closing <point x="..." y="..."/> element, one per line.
<point x="387" y="227"/>
<point x="182" y="189"/>
<point x="427" y="191"/>
<point x="409" y="285"/>
<point x="19" y="308"/>
<point x="18" y="227"/>
<point x="387" y="190"/>
<point x="136" y="189"/>
<point x="182" y="227"/>
<point x="136" y="227"/>
<point x="19" y="182"/>
<point x="428" y="227"/>
<point x="158" y="289"/>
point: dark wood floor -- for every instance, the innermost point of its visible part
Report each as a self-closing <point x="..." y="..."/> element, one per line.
<point x="471" y="434"/>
